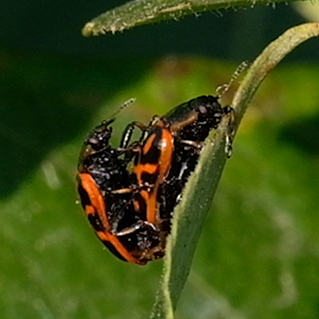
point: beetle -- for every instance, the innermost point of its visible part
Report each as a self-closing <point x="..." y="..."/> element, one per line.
<point x="112" y="215"/>
<point x="168" y="153"/>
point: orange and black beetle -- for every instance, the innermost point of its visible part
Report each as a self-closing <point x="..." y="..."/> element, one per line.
<point x="168" y="153"/>
<point x="190" y="123"/>
<point x="101" y="172"/>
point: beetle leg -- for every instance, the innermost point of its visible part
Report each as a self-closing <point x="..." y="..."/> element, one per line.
<point x="134" y="227"/>
<point x="197" y="145"/>
<point x="146" y="186"/>
<point x="123" y="190"/>
<point x="230" y="113"/>
<point x="128" y="132"/>
<point x="130" y="229"/>
<point x="129" y="151"/>
<point x="150" y="225"/>
<point x="228" y="145"/>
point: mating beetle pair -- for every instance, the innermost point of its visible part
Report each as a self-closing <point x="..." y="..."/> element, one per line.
<point x="131" y="212"/>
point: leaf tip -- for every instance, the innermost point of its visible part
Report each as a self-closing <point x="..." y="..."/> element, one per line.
<point x="88" y="29"/>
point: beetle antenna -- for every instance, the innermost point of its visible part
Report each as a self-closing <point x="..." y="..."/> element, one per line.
<point x="122" y="107"/>
<point x="222" y="89"/>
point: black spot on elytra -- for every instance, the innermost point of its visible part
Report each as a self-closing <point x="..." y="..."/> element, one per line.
<point x="154" y="153"/>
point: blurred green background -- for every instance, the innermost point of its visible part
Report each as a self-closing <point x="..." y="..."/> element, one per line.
<point x="258" y="256"/>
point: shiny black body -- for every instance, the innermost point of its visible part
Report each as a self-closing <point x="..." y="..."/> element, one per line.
<point x="185" y="157"/>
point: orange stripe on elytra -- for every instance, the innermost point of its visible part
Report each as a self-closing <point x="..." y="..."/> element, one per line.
<point x="96" y="198"/>
<point x="98" y="204"/>
<point x="140" y="169"/>
<point x="166" y="155"/>
<point x="118" y="246"/>
<point x="145" y="168"/>
<point x="161" y="167"/>
<point x="151" y="213"/>
<point x="89" y="210"/>
<point x="164" y="166"/>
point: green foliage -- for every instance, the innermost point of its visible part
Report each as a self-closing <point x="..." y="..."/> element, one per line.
<point x="140" y="12"/>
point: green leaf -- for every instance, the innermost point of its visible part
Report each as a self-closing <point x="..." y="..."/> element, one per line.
<point x="190" y="214"/>
<point x="140" y="12"/>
